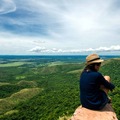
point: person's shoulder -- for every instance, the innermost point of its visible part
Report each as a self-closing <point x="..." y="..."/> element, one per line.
<point x="96" y="73"/>
<point x="99" y="75"/>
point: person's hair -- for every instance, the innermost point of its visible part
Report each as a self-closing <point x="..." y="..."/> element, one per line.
<point x="90" y="67"/>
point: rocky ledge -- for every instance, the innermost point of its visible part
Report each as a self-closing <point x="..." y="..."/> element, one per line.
<point x="107" y="113"/>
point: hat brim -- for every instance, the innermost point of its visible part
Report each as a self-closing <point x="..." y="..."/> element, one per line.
<point x="95" y="61"/>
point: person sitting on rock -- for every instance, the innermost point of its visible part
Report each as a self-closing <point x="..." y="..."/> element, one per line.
<point x="94" y="86"/>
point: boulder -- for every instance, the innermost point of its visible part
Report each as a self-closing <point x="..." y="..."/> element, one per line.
<point x="107" y="113"/>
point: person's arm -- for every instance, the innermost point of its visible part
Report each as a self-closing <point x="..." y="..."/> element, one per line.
<point x="104" y="82"/>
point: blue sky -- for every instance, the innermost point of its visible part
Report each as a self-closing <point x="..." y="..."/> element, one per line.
<point x="59" y="27"/>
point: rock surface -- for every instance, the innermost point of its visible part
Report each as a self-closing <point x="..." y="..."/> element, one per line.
<point x="107" y="113"/>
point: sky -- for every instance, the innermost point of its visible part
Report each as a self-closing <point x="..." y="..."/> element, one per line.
<point x="45" y="27"/>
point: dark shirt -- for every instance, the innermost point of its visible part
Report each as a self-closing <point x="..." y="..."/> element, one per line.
<point x="91" y="96"/>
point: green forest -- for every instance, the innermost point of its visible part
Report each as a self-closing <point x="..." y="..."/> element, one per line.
<point x="34" y="90"/>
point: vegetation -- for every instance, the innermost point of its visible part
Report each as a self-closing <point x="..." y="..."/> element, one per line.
<point x="13" y="64"/>
<point x="112" y="68"/>
<point x="45" y="90"/>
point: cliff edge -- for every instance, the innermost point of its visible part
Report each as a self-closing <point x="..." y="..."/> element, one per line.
<point x="107" y="113"/>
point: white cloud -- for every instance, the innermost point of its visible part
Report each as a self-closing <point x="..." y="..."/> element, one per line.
<point x="79" y="22"/>
<point x="39" y="49"/>
<point x="15" y="44"/>
<point x="111" y="48"/>
<point x="7" y="6"/>
<point x="55" y="50"/>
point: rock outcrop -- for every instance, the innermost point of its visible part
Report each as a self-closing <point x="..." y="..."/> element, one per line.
<point x="107" y="113"/>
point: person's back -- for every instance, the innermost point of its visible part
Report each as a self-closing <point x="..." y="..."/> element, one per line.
<point x="91" y="95"/>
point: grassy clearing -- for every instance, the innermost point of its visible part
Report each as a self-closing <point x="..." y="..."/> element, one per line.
<point x="27" y="83"/>
<point x="75" y="71"/>
<point x="11" y="112"/>
<point x="56" y="63"/>
<point x="3" y="83"/>
<point x="8" y="103"/>
<point x="14" y="64"/>
<point x="20" y="77"/>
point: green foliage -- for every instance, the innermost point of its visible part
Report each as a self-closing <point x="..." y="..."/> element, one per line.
<point x="7" y="89"/>
<point x="112" y="68"/>
<point x="60" y="94"/>
<point x="8" y="103"/>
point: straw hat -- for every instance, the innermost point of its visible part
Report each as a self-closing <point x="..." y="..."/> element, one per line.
<point x="93" y="58"/>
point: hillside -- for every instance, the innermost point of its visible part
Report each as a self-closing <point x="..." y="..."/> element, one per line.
<point x="34" y="90"/>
